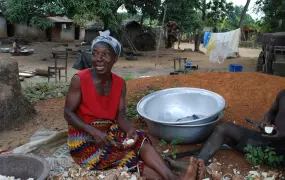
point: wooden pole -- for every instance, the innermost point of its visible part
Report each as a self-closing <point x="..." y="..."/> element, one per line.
<point x="158" y="46"/>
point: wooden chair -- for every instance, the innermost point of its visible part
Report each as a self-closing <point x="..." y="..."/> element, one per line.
<point x="56" y="69"/>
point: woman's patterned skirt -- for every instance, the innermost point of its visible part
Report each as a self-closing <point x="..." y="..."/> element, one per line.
<point x="87" y="153"/>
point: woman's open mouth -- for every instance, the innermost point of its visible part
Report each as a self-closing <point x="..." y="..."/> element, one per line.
<point x="99" y="68"/>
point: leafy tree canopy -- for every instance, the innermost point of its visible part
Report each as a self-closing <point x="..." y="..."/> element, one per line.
<point x="33" y="12"/>
<point x="218" y="10"/>
<point x="274" y="11"/>
<point x="185" y="13"/>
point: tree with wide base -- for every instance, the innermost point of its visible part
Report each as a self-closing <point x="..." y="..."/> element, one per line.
<point x="15" y="109"/>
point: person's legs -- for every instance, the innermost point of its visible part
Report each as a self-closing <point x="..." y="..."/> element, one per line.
<point x="154" y="161"/>
<point x="224" y="132"/>
<point x="150" y="174"/>
<point x="191" y="172"/>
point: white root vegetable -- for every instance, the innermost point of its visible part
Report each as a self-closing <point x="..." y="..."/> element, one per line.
<point x="11" y="178"/>
<point x="268" y="129"/>
<point x="128" y="141"/>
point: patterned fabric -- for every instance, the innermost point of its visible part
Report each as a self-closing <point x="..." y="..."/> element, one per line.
<point x="86" y="152"/>
<point x="105" y="37"/>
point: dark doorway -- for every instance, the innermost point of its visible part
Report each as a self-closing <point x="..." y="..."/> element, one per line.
<point x="49" y="34"/>
<point x="10" y="30"/>
<point x="77" y="32"/>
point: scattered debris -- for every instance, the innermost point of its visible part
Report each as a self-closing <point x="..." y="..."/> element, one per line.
<point x="217" y="175"/>
<point x="264" y="174"/>
<point x="227" y="177"/>
<point x="214" y="167"/>
<point x="254" y="173"/>
<point x="236" y="171"/>
<point x="237" y="177"/>
<point x="12" y="178"/>
<point x="166" y="151"/>
<point x="273" y="174"/>
<point x="78" y="173"/>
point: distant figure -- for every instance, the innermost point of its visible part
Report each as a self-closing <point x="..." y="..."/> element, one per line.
<point x="16" y="46"/>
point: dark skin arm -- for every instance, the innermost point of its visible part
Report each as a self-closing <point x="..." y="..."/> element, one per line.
<point x="72" y="102"/>
<point x="278" y="136"/>
<point x="122" y="120"/>
<point x="277" y="114"/>
<point x="272" y="113"/>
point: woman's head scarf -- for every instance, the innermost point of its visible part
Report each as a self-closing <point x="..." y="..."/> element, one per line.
<point x="105" y="37"/>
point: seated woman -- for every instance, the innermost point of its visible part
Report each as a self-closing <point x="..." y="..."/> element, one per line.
<point x="16" y="47"/>
<point x="98" y="126"/>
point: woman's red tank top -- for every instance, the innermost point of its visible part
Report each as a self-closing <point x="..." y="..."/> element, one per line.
<point x="95" y="106"/>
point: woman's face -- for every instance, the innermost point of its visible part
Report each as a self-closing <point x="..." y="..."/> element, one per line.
<point x="103" y="58"/>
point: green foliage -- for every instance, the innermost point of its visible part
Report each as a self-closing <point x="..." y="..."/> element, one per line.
<point x="176" y="141"/>
<point x="172" y="144"/>
<point x="133" y="100"/>
<point x="232" y="20"/>
<point x="185" y="13"/>
<point x="162" y="143"/>
<point x="218" y="11"/>
<point x="41" y="23"/>
<point x="128" y="77"/>
<point x="274" y="12"/>
<point x="42" y="91"/>
<point x="258" y="156"/>
<point x="33" y="12"/>
<point x="148" y="8"/>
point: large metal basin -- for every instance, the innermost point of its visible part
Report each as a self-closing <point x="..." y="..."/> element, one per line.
<point x="24" y="166"/>
<point x="169" y="105"/>
<point x="190" y="134"/>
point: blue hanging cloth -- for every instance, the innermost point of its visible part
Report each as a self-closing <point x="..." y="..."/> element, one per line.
<point x="207" y="36"/>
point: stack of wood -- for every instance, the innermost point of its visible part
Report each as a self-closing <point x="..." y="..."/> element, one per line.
<point x="272" y="57"/>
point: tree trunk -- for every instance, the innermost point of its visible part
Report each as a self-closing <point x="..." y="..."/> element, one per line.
<point x="142" y="18"/>
<point x="244" y="12"/>
<point x="197" y="42"/>
<point x="204" y="7"/>
<point x="106" y="23"/>
<point x="15" y="109"/>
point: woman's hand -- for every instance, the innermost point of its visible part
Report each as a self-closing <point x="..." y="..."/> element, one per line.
<point x="277" y="135"/>
<point x="266" y="121"/>
<point x="131" y="135"/>
<point x="101" y="137"/>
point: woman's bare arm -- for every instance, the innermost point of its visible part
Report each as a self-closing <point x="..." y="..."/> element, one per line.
<point x="72" y="102"/>
<point x="122" y="120"/>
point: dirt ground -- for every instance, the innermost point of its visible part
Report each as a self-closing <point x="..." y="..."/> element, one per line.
<point x="146" y="65"/>
<point x="246" y="94"/>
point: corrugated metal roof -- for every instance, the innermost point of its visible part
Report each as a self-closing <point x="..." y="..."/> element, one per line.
<point x="60" y="19"/>
<point x="95" y="25"/>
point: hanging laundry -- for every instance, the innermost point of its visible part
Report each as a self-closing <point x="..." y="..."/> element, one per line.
<point x="207" y="36"/>
<point x="223" y="45"/>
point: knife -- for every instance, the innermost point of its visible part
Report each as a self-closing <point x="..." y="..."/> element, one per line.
<point x="256" y="123"/>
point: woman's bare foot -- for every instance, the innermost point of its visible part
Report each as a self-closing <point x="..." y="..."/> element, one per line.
<point x="179" y="165"/>
<point x="191" y="172"/>
<point x="201" y="169"/>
